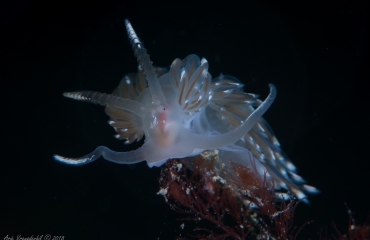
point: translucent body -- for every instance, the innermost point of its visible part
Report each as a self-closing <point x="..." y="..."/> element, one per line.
<point x="183" y="112"/>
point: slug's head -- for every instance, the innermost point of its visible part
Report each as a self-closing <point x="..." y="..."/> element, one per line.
<point x="164" y="127"/>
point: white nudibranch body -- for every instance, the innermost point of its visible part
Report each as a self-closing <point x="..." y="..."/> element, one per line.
<point x="183" y="112"/>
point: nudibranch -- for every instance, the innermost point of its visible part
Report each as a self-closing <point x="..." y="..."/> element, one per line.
<point x="183" y="112"/>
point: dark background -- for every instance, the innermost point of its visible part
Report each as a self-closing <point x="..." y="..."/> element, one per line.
<point x="314" y="52"/>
